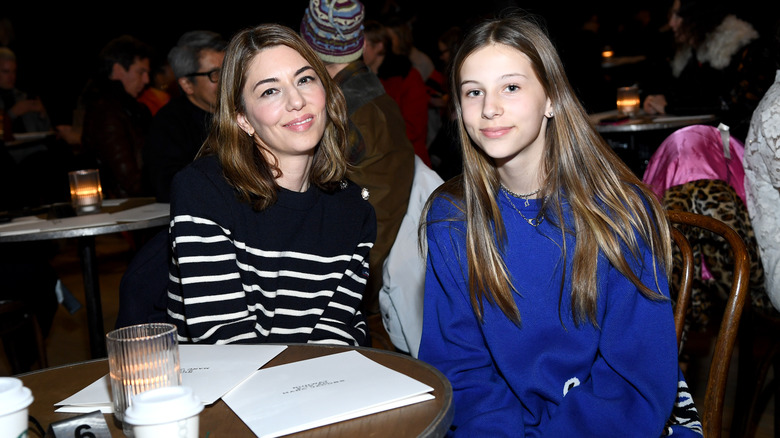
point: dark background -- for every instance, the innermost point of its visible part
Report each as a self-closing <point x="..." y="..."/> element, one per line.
<point x="57" y="45"/>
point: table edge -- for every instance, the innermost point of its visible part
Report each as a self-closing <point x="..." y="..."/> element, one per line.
<point x="87" y="231"/>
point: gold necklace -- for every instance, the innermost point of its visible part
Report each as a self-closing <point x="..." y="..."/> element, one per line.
<point x="534" y="222"/>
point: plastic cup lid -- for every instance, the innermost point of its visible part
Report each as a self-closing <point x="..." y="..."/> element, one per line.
<point x="13" y="395"/>
<point x="162" y="405"/>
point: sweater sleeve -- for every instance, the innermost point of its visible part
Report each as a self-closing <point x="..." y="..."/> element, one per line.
<point x="206" y="299"/>
<point x="344" y="306"/>
<point x="452" y="341"/>
<point x="633" y="382"/>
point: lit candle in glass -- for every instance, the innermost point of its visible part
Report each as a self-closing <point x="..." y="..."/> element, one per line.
<point x="628" y="101"/>
<point x="141" y="358"/>
<point x="86" y="194"/>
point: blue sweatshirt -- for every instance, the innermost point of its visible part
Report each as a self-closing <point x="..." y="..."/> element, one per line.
<point x="548" y="376"/>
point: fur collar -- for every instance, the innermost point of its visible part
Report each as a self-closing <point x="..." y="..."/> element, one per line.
<point x="718" y="46"/>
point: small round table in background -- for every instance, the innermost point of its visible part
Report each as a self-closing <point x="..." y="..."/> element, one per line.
<point x="84" y="231"/>
<point x="636" y="138"/>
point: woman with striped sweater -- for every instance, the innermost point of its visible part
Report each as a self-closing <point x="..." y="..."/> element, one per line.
<point x="269" y="241"/>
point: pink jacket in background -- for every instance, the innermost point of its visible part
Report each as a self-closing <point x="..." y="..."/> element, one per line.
<point x="693" y="153"/>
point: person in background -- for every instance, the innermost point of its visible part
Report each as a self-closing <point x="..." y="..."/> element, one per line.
<point x="399" y="28"/>
<point x="269" y="239"/>
<point x="444" y="149"/>
<point x="161" y="87"/>
<point x="115" y="123"/>
<point x="401" y="35"/>
<point x="761" y="162"/>
<point x="547" y="260"/>
<point x="43" y="163"/>
<point x="180" y="127"/>
<point x="402" y="82"/>
<point x="718" y="52"/>
<point x="27" y="115"/>
<point x="382" y="157"/>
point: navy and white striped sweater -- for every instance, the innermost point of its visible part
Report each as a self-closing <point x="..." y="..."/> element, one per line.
<point x="294" y="272"/>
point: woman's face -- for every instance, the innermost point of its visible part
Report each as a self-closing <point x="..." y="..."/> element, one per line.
<point x="285" y="103"/>
<point x="503" y="104"/>
<point x="675" y="22"/>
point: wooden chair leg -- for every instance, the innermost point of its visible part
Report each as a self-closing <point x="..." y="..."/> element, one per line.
<point x="746" y="380"/>
<point x="43" y="358"/>
<point x="776" y="393"/>
<point x="759" y="352"/>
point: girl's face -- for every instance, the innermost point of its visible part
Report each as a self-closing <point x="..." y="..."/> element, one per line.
<point x="504" y="105"/>
<point x="285" y="103"/>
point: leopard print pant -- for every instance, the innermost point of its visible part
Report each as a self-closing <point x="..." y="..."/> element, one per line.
<point x="717" y="199"/>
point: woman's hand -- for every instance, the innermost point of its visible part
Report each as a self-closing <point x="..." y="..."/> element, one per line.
<point x="655" y="104"/>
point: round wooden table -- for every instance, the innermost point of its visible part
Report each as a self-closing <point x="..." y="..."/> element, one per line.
<point x="431" y="418"/>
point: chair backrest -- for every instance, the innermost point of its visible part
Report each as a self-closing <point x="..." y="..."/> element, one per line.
<point x="16" y="319"/>
<point x="712" y="410"/>
<point x="685" y="287"/>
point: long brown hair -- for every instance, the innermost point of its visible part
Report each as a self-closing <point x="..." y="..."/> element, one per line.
<point x="608" y="202"/>
<point x="243" y="164"/>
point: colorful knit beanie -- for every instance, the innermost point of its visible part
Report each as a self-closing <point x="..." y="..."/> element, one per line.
<point x="334" y="29"/>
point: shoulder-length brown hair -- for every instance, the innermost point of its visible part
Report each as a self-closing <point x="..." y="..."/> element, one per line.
<point x="243" y="164"/>
<point x="607" y="201"/>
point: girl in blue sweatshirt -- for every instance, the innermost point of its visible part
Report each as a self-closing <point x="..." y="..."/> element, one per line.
<point x="546" y="297"/>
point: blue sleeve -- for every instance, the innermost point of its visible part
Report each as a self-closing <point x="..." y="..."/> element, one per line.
<point x="453" y="343"/>
<point x="633" y="382"/>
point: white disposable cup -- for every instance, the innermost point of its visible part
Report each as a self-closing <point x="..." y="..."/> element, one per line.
<point x="15" y="399"/>
<point x="164" y="412"/>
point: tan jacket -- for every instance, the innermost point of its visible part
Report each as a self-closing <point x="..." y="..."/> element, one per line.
<point x="383" y="160"/>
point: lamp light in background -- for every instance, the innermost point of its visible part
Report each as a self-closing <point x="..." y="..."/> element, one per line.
<point x="86" y="195"/>
<point x="628" y="101"/>
<point x="607" y="53"/>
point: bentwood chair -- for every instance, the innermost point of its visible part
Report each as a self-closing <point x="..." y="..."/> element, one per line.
<point x="18" y="322"/>
<point x="711" y="411"/>
<point x="685" y="285"/>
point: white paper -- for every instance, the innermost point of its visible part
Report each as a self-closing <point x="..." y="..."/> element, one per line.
<point x="302" y="395"/>
<point x="213" y="370"/>
<point x="113" y="202"/>
<point x="210" y="370"/>
<point x="144" y="212"/>
<point x="95" y="396"/>
<point x="87" y="220"/>
<point x="21" y="225"/>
